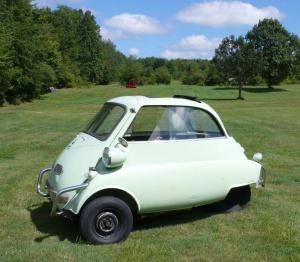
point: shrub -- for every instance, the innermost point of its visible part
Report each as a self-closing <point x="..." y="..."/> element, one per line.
<point x="213" y="77"/>
<point x="131" y="70"/>
<point x="162" y="75"/>
<point x="193" y="79"/>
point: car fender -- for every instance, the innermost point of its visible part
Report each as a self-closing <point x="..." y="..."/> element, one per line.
<point x="96" y="186"/>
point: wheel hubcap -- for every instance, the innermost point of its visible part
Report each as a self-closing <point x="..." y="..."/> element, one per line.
<point x="106" y="223"/>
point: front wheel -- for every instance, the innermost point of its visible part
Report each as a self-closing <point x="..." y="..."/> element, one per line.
<point x="106" y="220"/>
<point x="236" y="200"/>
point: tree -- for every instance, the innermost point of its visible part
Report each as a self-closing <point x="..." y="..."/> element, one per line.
<point x="132" y="70"/>
<point x="112" y="62"/>
<point x="193" y="75"/>
<point x="89" y="54"/>
<point x="295" y="73"/>
<point x="4" y="62"/>
<point x="213" y="76"/>
<point x="235" y="58"/>
<point x="162" y="75"/>
<point x="276" y="49"/>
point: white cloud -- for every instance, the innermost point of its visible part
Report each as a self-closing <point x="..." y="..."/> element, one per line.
<point x="226" y="13"/>
<point x="195" y="46"/>
<point x="109" y="34"/>
<point x="134" y="51"/>
<point x="122" y="25"/>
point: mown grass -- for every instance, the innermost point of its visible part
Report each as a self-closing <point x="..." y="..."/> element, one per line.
<point x="33" y="134"/>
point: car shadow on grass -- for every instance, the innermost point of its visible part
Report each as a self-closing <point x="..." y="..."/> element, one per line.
<point x="66" y="229"/>
<point x="172" y="218"/>
<point x="53" y="226"/>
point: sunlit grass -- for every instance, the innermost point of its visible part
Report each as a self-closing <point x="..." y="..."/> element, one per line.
<point x="33" y="134"/>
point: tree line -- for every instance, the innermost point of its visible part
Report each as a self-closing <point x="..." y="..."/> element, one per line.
<point x="268" y="51"/>
<point x="42" y="48"/>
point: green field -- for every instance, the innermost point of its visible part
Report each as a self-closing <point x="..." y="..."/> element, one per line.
<point x="33" y="134"/>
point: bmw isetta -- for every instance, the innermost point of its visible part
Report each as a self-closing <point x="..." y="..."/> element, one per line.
<point x="143" y="155"/>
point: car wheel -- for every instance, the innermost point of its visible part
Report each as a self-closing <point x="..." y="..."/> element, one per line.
<point x="106" y="220"/>
<point x="236" y="200"/>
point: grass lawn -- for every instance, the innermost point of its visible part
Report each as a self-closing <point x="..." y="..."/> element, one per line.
<point x="33" y="134"/>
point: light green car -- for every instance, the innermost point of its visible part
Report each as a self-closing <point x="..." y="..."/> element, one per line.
<point x="142" y="155"/>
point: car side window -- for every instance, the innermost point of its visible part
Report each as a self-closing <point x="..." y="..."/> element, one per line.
<point x="172" y="123"/>
<point x="203" y="123"/>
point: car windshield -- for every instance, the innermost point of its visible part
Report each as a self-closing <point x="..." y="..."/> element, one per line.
<point x="105" y="121"/>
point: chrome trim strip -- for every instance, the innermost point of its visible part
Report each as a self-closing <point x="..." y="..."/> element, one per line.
<point x="71" y="188"/>
<point x="39" y="182"/>
<point x="56" y="195"/>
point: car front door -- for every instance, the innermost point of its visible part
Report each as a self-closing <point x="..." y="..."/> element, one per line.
<point x="171" y="157"/>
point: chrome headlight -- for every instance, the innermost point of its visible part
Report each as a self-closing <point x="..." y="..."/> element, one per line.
<point x="58" y="169"/>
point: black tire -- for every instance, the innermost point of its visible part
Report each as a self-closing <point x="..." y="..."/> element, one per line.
<point x="236" y="200"/>
<point x="106" y="220"/>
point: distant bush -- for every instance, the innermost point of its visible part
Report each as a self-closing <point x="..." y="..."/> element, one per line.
<point x="213" y="77"/>
<point x="193" y="79"/>
<point x="131" y="70"/>
<point x="147" y="80"/>
<point x="44" y="76"/>
<point x="256" y="80"/>
<point x="162" y="75"/>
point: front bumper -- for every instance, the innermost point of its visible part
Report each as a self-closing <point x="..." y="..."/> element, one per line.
<point x="262" y="178"/>
<point x="52" y="194"/>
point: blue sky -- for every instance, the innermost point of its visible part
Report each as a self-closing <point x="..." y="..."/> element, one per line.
<point x="179" y="29"/>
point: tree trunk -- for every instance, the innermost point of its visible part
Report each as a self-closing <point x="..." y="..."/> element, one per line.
<point x="240" y="92"/>
<point x="270" y="83"/>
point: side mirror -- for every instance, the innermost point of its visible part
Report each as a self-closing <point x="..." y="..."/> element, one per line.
<point x="123" y="141"/>
<point x="113" y="157"/>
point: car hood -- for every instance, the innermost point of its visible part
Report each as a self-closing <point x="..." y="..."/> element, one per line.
<point x="82" y="152"/>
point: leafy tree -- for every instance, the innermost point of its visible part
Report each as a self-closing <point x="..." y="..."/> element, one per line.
<point x="213" y="76"/>
<point x="89" y="54"/>
<point x="162" y="75"/>
<point x="4" y="62"/>
<point x="295" y="72"/>
<point x="132" y="70"/>
<point x="112" y="62"/>
<point x="235" y="58"/>
<point x="193" y="75"/>
<point x="276" y="48"/>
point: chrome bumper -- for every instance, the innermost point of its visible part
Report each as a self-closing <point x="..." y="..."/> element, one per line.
<point x="54" y="195"/>
<point x="39" y="182"/>
<point x="262" y="178"/>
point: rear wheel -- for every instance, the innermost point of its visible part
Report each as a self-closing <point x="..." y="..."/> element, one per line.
<point x="236" y="200"/>
<point x="106" y="220"/>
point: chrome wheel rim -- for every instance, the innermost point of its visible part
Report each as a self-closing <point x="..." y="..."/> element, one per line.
<point x="106" y="223"/>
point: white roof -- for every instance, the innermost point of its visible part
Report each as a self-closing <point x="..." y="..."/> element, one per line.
<point x="139" y="101"/>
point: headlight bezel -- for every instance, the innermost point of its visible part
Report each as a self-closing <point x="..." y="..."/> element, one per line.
<point x="58" y="169"/>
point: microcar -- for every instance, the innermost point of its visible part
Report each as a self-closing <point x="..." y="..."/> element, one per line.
<point x="142" y="155"/>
